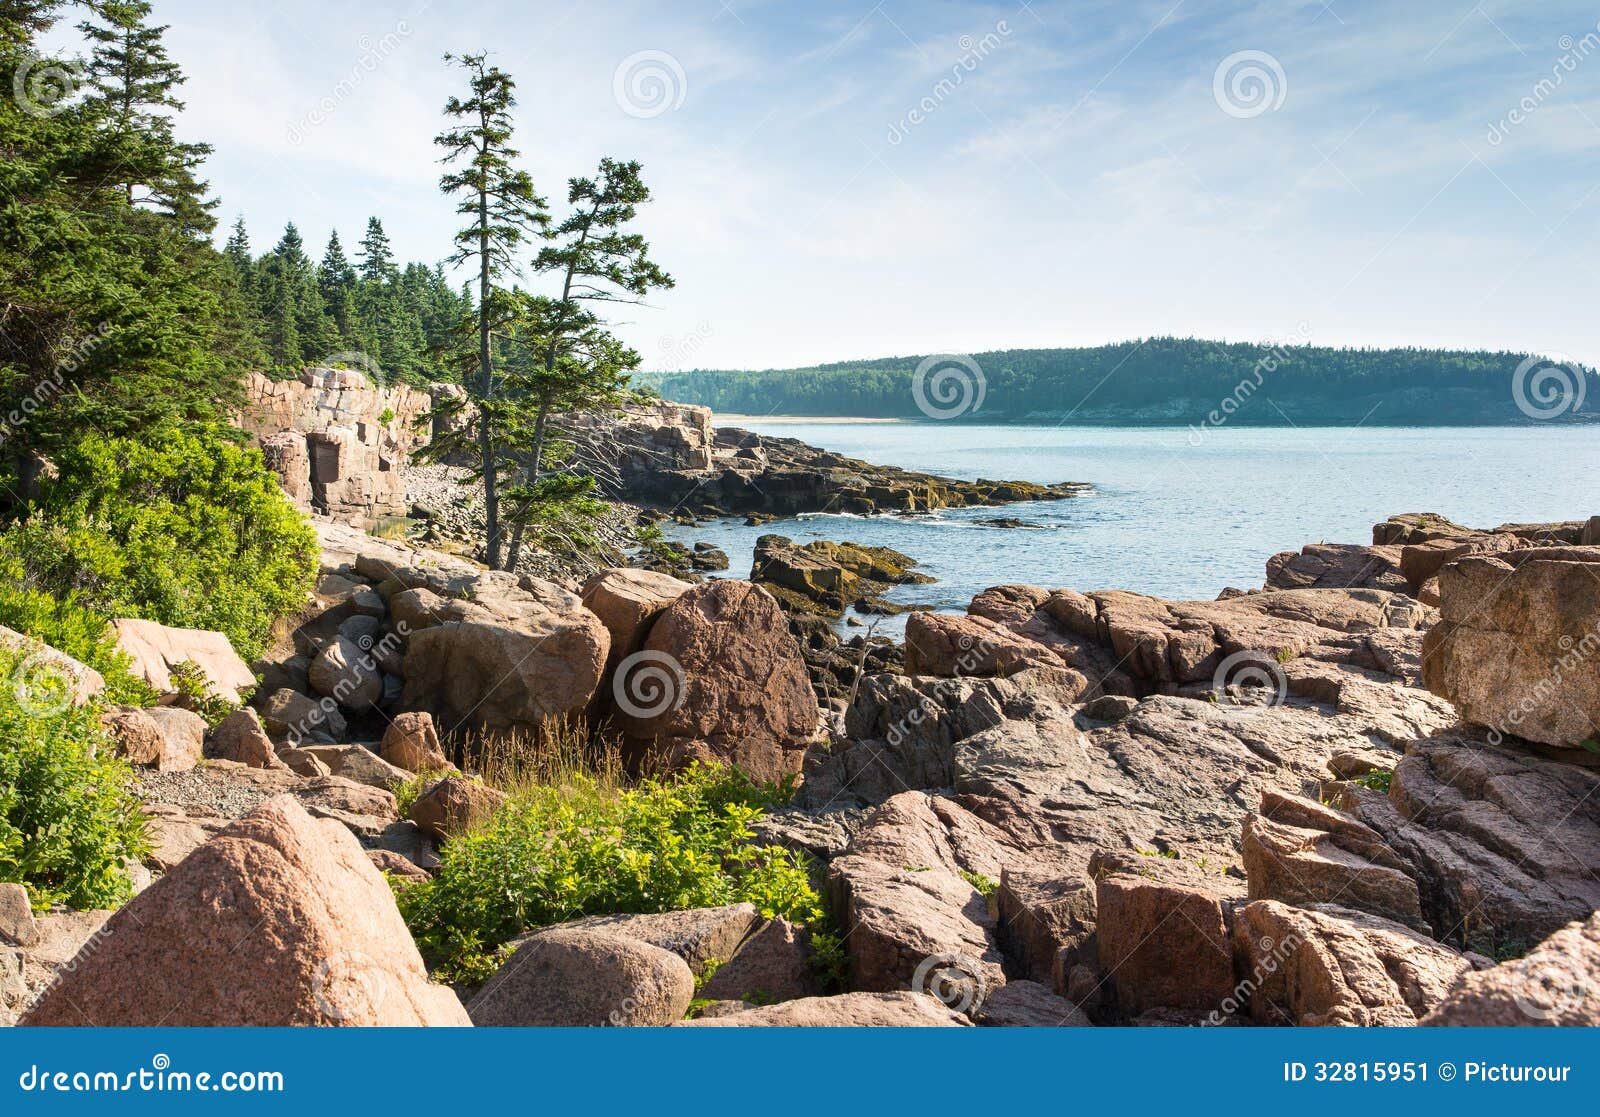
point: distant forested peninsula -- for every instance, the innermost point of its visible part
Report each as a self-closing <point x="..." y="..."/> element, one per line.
<point x="1165" y="380"/>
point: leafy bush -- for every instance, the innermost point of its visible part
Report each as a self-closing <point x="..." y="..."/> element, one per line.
<point x="193" y="688"/>
<point x="68" y="816"/>
<point x="555" y="853"/>
<point x="67" y="625"/>
<point x="186" y="529"/>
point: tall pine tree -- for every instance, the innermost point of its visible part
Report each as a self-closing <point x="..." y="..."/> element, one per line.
<point x="503" y="212"/>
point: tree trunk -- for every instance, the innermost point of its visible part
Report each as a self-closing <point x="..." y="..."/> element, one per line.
<point x="491" y="480"/>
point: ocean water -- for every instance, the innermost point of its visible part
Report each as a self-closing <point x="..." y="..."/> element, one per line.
<point x="1177" y="512"/>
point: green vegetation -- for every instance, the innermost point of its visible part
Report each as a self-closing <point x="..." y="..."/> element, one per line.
<point x="194" y="693"/>
<point x="986" y="886"/>
<point x="68" y="817"/>
<point x="553" y="853"/>
<point x="282" y="312"/>
<point x="185" y="529"/>
<point x="528" y="359"/>
<point x="1378" y="779"/>
<point x="1163" y="380"/>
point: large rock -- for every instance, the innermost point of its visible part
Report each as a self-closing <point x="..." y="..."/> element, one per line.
<point x="1327" y="965"/>
<point x="1163" y="945"/>
<point x="240" y="737"/>
<point x="347" y="673"/>
<point x="1301" y="852"/>
<point x="1028" y="1004"/>
<point x="44" y="677"/>
<point x="1518" y="643"/>
<point x="156" y="649"/>
<point x="288" y="715"/>
<point x="1337" y="566"/>
<point x="720" y="678"/>
<point x="628" y="601"/>
<point x="702" y="937"/>
<point x="773" y="964"/>
<point x="511" y="653"/>
<point x="453" y="805"/>
<point x="279" y="920"/>
<point x="166" y="738"/>
<point x="905" y="893"/>
<point x="901" y="732"/>
<point x="1556" y="984"/>
<point x="941" y="644"/>
<point x="411" y="742"/>
<point x="824" y="576"/>
<point x="567" y="977"/>
<point x="1502" y="844"/>
<point x="849" y="1010"/>
<point x="17" y="925"/>
<point x="359" y="763"/>
<point x="338" y="443"/>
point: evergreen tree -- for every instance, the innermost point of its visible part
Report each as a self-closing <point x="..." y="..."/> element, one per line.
<point x="377" y="258"/>
<point x="130" y="74"/>
<point x="239" y="340"/>
<point x="107" y="310"/>
<point x="582" y="366"/>
<point x="503" y="212"/>
<point x="336" y="280"/>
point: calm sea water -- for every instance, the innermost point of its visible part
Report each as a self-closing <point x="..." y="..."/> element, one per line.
<point x="1176" y="514"/>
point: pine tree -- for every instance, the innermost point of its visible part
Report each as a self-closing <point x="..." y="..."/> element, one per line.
<point x="581" y="366"/>
<point x="503" y="212"/>
<point x="336" y="280"/>
<point x="130" y="73"/>
<point x="377" y="258"/>
<point x="107" y="311"/>
<point x="239" y="341"/>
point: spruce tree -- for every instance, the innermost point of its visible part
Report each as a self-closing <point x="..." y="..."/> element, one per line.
<point x="503" y="211"/>
<point x="107" y="310"/>
<point x="377" y="258"/>
<point x="130" y="73"/>
<point x="582" y="366"/>
<point x="336" y="280"/>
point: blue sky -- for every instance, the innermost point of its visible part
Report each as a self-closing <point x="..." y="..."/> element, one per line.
<point x="1084" y="180"/>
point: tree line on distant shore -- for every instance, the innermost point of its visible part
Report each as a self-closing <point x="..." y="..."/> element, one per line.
<point x="1149" y="377"/>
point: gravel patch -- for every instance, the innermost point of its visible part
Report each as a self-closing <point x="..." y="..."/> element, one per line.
<point x="200" y="792"/>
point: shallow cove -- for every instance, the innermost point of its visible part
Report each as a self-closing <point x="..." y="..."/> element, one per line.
<point x="1177" y="512"/>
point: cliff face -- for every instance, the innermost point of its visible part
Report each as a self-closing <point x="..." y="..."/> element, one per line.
<point x="338" y="444"/>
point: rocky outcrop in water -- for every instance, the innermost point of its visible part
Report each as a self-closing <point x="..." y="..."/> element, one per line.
<point x="669" y="456"/>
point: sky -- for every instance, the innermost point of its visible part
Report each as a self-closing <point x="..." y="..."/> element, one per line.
<point x="837" y="180"/>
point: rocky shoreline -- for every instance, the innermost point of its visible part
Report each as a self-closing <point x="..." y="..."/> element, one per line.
<point x="1303" y="804"/>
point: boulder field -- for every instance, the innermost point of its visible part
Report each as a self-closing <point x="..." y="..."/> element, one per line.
<point x="1364" y="794"/>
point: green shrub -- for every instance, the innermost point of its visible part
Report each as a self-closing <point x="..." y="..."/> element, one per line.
<point x="68" y="626"/>
<point x="555" y="853"/>
<point x="68" y="816"/>
<point x="187" y="529"/>
<point x="193" y="688"/>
